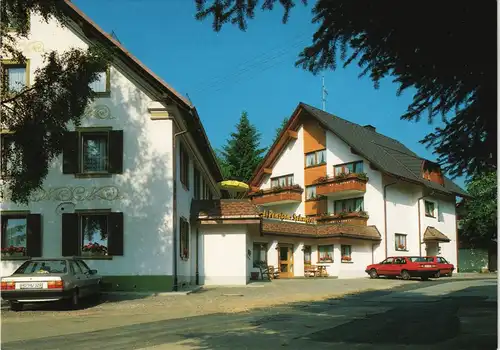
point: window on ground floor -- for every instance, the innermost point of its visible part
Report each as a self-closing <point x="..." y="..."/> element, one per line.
<point x="325" y="253"/>
<point x="400" y="240"/>
<point x="92" y="234"/>
<point x="14" y="235"/>
<point x="184" y="238"/>
<point x="307" y="255"/>
<point x="259" y="254"/>
<point x="346" y="251"/>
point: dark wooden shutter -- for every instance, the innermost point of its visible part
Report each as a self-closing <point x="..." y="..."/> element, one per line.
<point x="116" y="151"/>
<point x="34" y="233"/>
<point x="115" y="234"/>
<point x="70" y="153"/>
<point x="70" y="236"/>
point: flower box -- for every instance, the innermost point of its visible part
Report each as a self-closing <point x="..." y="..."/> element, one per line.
<point x="346" y="258"/>
<point x="12" y="253"/>
<point x="90" y="253"/>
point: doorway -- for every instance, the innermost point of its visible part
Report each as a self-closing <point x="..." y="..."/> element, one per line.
<point x="285" y="258"/>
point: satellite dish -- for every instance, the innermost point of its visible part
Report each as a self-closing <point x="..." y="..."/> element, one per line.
<point x="66" y="207"/>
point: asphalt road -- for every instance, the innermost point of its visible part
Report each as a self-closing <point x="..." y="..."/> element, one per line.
<point x="444" y="314"/>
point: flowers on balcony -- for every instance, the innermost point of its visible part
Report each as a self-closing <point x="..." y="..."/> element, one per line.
<point x="401" y="247"/>
<point x="341" y="176"/>
<point x="13" y="251"/>
<point x="346" y="258"/>
<point x="276" y="189"/>
<point x="326" y="257"/>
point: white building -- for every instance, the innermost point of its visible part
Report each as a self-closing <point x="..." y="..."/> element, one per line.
<point x="117" y="182"/>
<point x="365" y="197"/>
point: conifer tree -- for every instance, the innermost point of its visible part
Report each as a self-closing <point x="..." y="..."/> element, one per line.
<point x="242" y="153"/>
<point x="278" y="130"/>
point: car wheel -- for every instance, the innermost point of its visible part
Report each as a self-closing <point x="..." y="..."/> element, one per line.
<point x="75" y="299"/>
<point x="450" y="274"/>
<point x="373" y="273"/>
<point x="405" y="275"/>
<point x="438" y="274"/>
<point x="16" y="306"/>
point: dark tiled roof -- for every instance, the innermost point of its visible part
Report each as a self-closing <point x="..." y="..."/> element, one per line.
<point x="383" y="152"/>
<point x="223" y="208"/>
<point x="286" y="228"/>
<point x="433" y="234"/>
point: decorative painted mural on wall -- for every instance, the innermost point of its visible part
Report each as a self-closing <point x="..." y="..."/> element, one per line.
<point x="75" y="193"/>
<point x="101" y="112"/>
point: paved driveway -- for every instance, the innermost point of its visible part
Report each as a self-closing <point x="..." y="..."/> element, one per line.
<point x="442" y="314"/>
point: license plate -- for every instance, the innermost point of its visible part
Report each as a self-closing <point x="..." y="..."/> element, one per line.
<point x="32" y="285"/>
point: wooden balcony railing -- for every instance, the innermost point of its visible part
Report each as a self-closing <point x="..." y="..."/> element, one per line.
<point x="351" y="218"/>
<point x="277" y="195"/>
<point x="328" y="185"/>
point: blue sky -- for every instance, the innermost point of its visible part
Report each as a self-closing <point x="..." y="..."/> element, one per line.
<point x="227" y="72"/>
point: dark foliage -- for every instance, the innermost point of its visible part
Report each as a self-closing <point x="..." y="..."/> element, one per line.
<point x="241" y="155"/>
<point x="445" y="50"/>
<point x="39" y="115"/>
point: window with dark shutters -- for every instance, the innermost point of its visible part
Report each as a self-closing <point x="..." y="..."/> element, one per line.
<point x="21" y="235"/>
<point x="197" y="184"/>
<point x="184" y="238"/>
<point x="184" y="166"/>
<point x="92" y="234"/>
<point x="93" y="152"/>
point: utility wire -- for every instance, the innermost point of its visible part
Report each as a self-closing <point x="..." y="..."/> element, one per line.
<point x="252" y="64"/>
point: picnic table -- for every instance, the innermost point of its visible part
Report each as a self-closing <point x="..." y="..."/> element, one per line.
<point x="315" y="271"/>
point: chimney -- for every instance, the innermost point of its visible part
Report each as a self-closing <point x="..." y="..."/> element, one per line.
<point x="370" y="127"/>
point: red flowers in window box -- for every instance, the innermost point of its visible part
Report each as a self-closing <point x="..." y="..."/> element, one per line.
<point x="346" y="258"/>
<point x="94" y="248"/>
<point x="12" y="250"/>
<point x="401" y="246"/>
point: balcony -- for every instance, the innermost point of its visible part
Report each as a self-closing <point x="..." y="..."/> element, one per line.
<point x="352" y="218"/>
<point x="345" y="184"/>
<point x="277" y="195"/>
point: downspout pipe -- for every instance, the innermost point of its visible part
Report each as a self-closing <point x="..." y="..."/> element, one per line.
<point x="385" y="216"/>
<point x="197" y="256"/>
<point x="174" y="204"/>
<point x="420" y="223"/>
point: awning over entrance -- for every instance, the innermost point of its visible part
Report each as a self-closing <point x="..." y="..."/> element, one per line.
<point x="432" y="234"/>
<point x="284" y="228"/>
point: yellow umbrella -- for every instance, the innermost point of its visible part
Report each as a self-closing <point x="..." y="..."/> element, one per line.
<point x="234" y="188"/>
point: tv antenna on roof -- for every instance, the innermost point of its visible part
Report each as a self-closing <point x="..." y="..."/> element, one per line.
<point x="114" y="36"/>
<point x="324" y="92"/>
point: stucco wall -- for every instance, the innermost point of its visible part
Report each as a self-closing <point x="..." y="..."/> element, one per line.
<point x="223" y="258"/>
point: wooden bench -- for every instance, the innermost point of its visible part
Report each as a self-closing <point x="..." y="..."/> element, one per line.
<point x="269" y="271"/>
<point x="315" y="271"/>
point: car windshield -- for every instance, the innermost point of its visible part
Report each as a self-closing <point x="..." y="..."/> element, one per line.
<point x="42" y="267"/>
<point x="418" y="259"/>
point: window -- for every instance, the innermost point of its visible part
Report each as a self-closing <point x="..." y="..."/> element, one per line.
<point x="75" y="268"/>
<point x="282" y="181"/>
<point x="92" y="234"/>
<point x="197" y="184"/>
<point x="259" y="254"/>
<point x="400" y="240"/>
<point x="310" y="192"/>
<point x="325" y="253"/>
<point x="93" y="152"/>
<point x="184" y="166"/>
<point x="429" y="209"/>
<point x="15" y="77"/>
<point x="11" y="157"/>
<point x="14" y="238"/>
<point x="102" y="85"/>
<point x="350" y="205"/>
<point x="307" y="255"/>
<point x="346" y="251"/>
<point x="38" y="266"/>
<point x="316" y="158"/>
<point x="94" y="237"/>
<point x="348" y="168"/>
<point x="388" y="261"/>
<point x="207" y="194"/>
<point x="83" y="266"/>
<point x="184" y="238"/>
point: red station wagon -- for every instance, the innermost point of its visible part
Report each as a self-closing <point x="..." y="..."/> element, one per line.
<point x="445" y="268"/>
<point x="404" y="266"/>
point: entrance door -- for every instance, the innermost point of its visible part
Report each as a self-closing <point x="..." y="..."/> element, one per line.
<point x="285" y="260"/>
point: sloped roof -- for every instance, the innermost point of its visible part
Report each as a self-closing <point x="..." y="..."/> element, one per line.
<point x="287" y="228"/>
<point x="389" y="155"/>
<point x="188" y="111"/>
<point x="223" y="208"/>
<point x="433" y="234"/>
